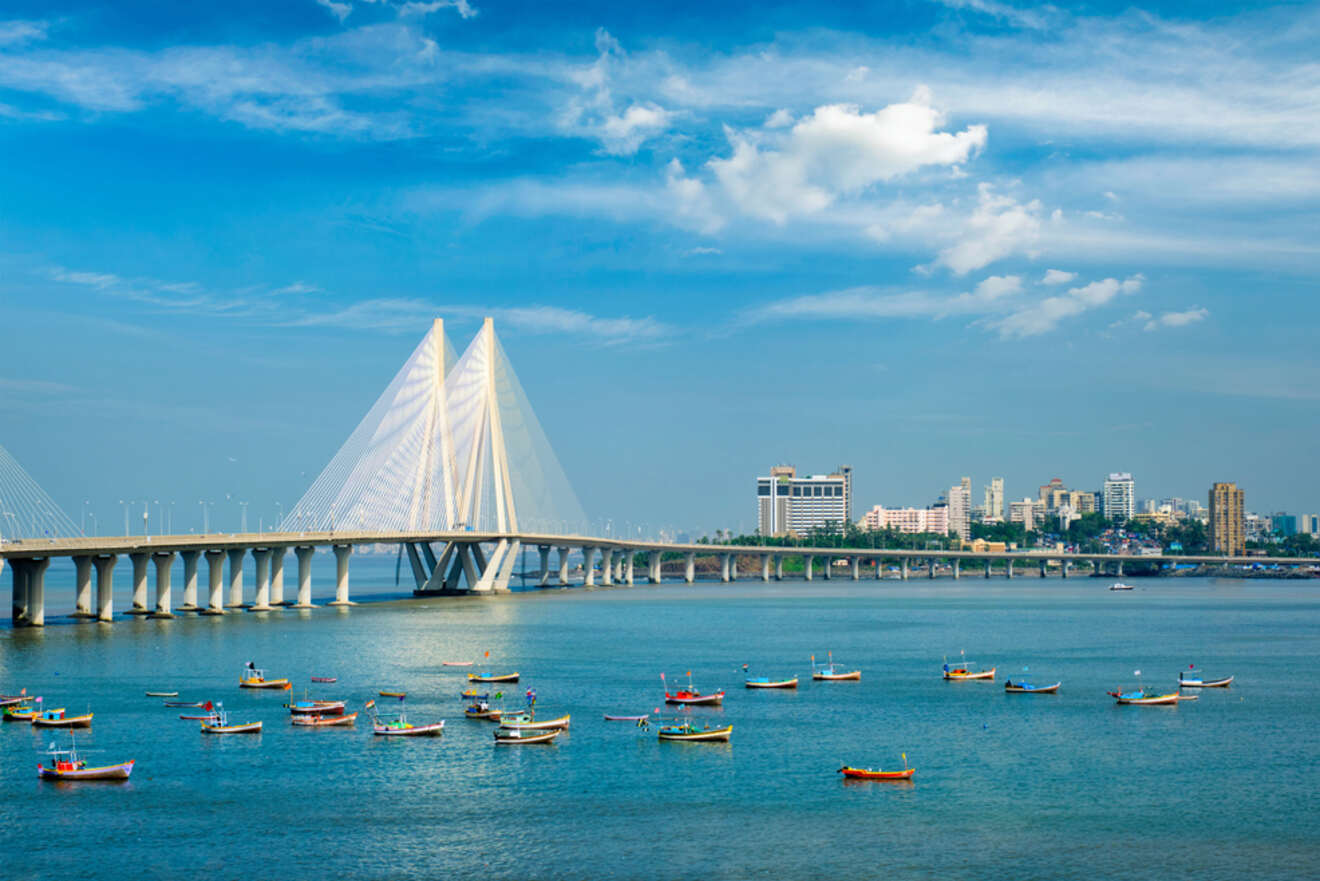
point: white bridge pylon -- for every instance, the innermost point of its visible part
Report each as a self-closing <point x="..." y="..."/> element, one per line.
<point x="451" y="445"/>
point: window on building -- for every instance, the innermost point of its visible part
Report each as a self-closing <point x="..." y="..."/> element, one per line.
<point x="783" y="489"/>
<point x="763" y="489"/>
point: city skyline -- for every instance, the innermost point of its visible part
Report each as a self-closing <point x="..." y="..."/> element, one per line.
<point x="825" y="235"/>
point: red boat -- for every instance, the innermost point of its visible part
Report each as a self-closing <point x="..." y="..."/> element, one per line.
<point x="868" y="774"/>
<point x="690" y="695"/>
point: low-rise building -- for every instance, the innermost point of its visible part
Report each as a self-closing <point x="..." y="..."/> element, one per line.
<point x="908" y="520"/>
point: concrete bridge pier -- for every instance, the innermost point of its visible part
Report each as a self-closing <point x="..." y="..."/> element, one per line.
<point x="904" y="576"/>
<point x="1063" y="573"/>
<point x="765" y="567"/>
<point x="82" y="566"/>
<point x="18" y="570"/>
<point x="1120" y="569"/>
<point x="655" y="560"/>
<point x="690" y="567"/>
<point x="1044" y="568"/>
<point x="957" y="570"/>
<point x="236" y="578"/>
<point x="588" y="574"/>
<point x="1008" y="568"/>
<point x="164" y="561"/>
<point x="857" y="568"/>
<point x="988" y="563"/>
<point x="215" y="575"/>
<point x="304" y="556"/>
<point x="930" y="568"/>
<point x="342" y="553"/>
<point x="277" y="576"/>
<point x="806" y="566"/>
<point x="779" y="567"/>
<point x="828" y="568"/>
<point x="105" y="587"/>
<point x="879" y="568"/>
<point x="139" y="584"/>
<point x="35" y="591"/>
<point x="618" y="565"/>
<point x="629" y="562"/>
<point x="724" y="568"/>
<point x="563" y="566"/>
<point x="544" y="578"/>
<point x="607" y="567"/>
<point x="190" y="559"/>
<point x="261" y="557"/>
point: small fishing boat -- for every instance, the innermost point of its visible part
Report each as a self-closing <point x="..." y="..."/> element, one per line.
<point x="1020" y="687"/>
<point x="492" y="677"/>
<point x="201" y="717"/>
<point x="874" y="774"/>
<point x="1143" y="698"/>
<point x="59" y="719"/>
<point x="11" y="700"/>
<point x="529" y="722"/>
<point x="1118" y="585"/>
<point x="964" y="671"/>
<point x="521" y="737"/>
<point x="397" y="725"/>
<point x="472" y="694"/>
<point x="218" y="723"/>
<point x="1197" y="680"/>
<point x="316" y="708"/>
<point x="66" y="764"/>
<point x="399" y="694"/>
<point x="480" y="709"/>
<point x="162" y="694"/>
<point x="690" y="696"/>
<point x="831" y="673"/>
<point x="317" y="721"/>
<point x="251" y="677"/>
<point x="455" y="663"/>
<point x="179" y="705"/>
<point x="324" y="679"/>
<point x="22" y="712"/>
<point x="693" y="732"/>
<point x="609" y="718"/>
<point x="766" y="682"/>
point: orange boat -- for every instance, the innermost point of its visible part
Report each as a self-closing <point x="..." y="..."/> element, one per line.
<point x="251" y="677"/>
<point x="319" y="721"/>
<point x="964" y="671"/>
<point x="59" y="719"/>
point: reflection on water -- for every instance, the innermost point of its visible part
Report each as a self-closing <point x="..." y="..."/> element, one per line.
<point x="1007" y="785"/>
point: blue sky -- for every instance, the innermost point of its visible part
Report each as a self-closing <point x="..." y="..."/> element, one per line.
<point x="928" y="239"/>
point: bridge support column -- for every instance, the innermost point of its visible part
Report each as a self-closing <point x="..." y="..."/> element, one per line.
<point x="277" y="576"/>
<point x="83" y="579"/>
<point x="563" y="567"/>
<point x="261" y="557"/>
<point x="164" y="561"/>
<point x="828" y="568"/>
<point x="765" y="567"/>
<point x="690" y="568"/>
<point x="879" y="568"/>
<point x="1043" y="568"/>
<point x="139" y="584"/>
<point x="1008" y="568"/>
<point x="988" y="563"/>
<point x="105" y="587"/>
<point x="190" y="559"/>
<point x="236" y="578"/>
<point x="806" y="566"/>
<point x="779" y="567"/>
<point x="304" y="556"/>
<point x="588" y="574"/>
<point x="342" y="553"/>
<point x="18" y="571"/>
<point x="215" y="582"/>
<point x="957" y="570"/>
<point x="857" y="568"/>
<point x="724" y="567"/>
<point x="34" y="592"/>
<point x="1120" y="568"/>
<point x="544" y="578"/>
<point x="655" y="562"/>
<point x="629" y="562"/>
<point x="607" y="567"/>
<point x="930" y="568"/>
<point x="1063" y="570"/>
<point x="904" y="576"/>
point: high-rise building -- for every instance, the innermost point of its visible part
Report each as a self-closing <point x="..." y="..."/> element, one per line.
<point x="1227" y="526"/>
<point x="1081" y="502"/>
<point x="960" y="508"/>
<point x="994" y="500"/>
<point x="1283" y="524"/>
<point x="1309" y="524"/>
<point x="1029" y="512"/>
<point x="1120" y="497"/>
<point x="910" y="520"/>
<point x="788" y="503"/>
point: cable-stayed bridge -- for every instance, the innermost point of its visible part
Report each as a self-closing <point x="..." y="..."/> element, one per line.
<point x="450" y="464"/>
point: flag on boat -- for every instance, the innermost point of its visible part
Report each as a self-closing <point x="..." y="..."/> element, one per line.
<point x="488" y="654"/>
<point x="499" y="695"/>
<point x="38" y="698"/>
<point x="371" y="703"/>
<point x="207" y="706"/>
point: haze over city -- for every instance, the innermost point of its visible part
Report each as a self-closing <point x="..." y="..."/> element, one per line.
<point x="808" y="235"/>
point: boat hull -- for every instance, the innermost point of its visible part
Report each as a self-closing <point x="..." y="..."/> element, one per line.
<point x="264" y="683"/>
<point x="66" y="722"/>
<point x="488" y="715"/>
<point x="713" y="735"/>
<point x="968" y="675"/>
<point x="455" y="663"/>
<point x="782" y="683"/>
<point x="324" y="679"/>
<point x="181" y="705"/>
<point x="852" y="675"/>
<point x="868" y="774"/>
<point x="1018" y="688"/>
<point x="248" y="728"/>
<point x="695" y="700"/>
<point x="492" y="677"/>
<point x="502" y="739"/>
<point x="412" y="731"/>
<point x="1155" y="700"/>
<point x="1206" y="683"/>
<point x="312" y="721"/>
<point x="162" y="694"/>
<point x="317" y="708"/>
<point x="105" y="772"/>
<point x="609" y="718"/>
<point x="536" y="725"/>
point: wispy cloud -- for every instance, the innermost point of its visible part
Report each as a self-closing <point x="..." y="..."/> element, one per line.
<point x="35" y="386"/>
<point x="17" y="32"/>
<point x="1177" y="319"/>
<point x="1045" y="315"/>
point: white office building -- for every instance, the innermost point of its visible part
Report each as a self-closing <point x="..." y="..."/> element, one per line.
<point x="994" y="500"/>
<point x="787" y="503"/>
<point x="1120" y="496"/>
<point x="960" y="508"/>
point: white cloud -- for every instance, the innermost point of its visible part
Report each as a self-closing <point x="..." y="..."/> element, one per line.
<point x="999" y="226"/>
<point x="838" y="150"/>
<point x="691" y="203"/>
<point x="1177" y="319"/>
<point x="338" y="10"/>
<point x="17" y="32"/>
<point x="1045" y="315"/>
<point x="413" y="7"/>
<point x="1057" y="276"/>
<point x="1020" y="17"/>
<point x="622" y="134"/>
<point x="88" y="279"/>
<point x="781" y="118"/>
<point x="594" y="113"/>
<point x="997" y="286"/>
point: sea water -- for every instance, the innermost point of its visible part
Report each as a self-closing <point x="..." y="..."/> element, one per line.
<point x="1007" y="786"/>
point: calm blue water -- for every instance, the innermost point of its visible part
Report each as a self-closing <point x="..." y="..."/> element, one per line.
<point x="1060" y="787"/>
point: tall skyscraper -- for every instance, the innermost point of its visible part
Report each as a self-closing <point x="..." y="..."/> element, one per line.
<point x="994" y="499"/>
<point x="1120" y="496"/>
<point x="960" y="508"/>
<point x="1227" y="529"/>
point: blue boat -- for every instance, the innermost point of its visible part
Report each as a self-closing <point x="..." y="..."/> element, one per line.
<point x="1020" y="687"/>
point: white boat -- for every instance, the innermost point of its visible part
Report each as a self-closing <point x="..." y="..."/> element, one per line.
<point x="1118" y="585"/>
